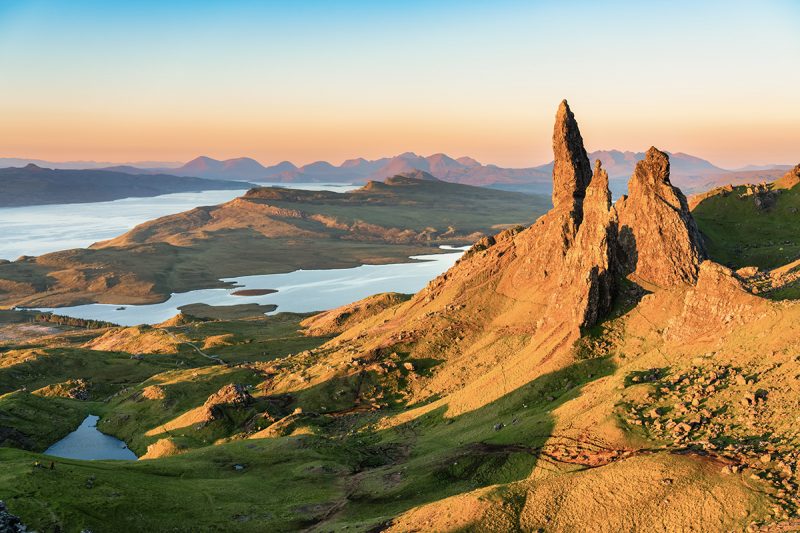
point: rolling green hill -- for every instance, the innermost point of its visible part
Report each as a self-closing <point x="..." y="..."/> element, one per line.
<point x="759" y="227"/>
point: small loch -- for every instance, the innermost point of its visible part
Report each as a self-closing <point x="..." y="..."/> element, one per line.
<point x="88" y="443"/>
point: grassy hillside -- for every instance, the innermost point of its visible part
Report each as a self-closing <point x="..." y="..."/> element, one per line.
<point x="739" y="233"/>
<point x="266" y="231"/>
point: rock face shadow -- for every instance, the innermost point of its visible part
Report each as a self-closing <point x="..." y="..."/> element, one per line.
<point x="627" y="254"/>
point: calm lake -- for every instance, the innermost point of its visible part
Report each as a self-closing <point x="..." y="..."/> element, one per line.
<point x="299" y="291"/>
<point x="40" y="229"/>
<point x="87" y="442"/>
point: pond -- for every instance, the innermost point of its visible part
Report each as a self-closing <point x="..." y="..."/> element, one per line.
<point x="88" y="443"/>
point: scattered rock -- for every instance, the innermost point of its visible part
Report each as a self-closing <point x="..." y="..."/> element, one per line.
<point x="10" y="523"/>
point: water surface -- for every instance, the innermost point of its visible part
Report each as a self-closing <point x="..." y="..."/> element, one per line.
<point x="88" y="443"/>
<point x="41" y="229"/>
<point x="299" y="291"/>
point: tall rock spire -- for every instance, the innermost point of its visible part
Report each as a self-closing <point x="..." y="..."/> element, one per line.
<point x="589" y="276"/>
<point x="571" y="169"/>
<point x="659" y="240"/>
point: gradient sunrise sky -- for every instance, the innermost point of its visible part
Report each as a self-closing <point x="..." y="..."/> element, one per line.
<point x="305" y="80"/>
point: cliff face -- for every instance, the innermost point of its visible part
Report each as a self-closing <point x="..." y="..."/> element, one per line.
<point x="659" y="240"/>
<point x="564" y="261"/>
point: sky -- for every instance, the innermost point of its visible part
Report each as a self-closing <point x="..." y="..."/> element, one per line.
<point x="308" y="80"/>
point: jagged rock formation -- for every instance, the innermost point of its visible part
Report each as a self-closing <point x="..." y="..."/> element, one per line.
<point x="569" y="252"/>
<point x="522" y="295"/>
<point x="525" y="294"/>
<point x="571" y="169"/>
<point x="659" y="240"/>
<point x="231" y="395"/>
<point x="593" y="258"/>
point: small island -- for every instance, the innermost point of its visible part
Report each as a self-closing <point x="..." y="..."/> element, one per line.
<point x="253" y="292"/>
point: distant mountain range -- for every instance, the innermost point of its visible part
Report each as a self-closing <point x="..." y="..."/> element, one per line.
<point x="689" y="172"/>
<point x="33" y="185"/>
<point x="462" y="170"/>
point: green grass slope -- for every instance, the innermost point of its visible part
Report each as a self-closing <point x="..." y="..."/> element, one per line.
<point x="738" y="233"/>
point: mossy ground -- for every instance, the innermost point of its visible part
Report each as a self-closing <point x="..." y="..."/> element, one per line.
<point x="739" y="234"/>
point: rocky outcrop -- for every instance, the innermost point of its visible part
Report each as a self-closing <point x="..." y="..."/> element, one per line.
<point x="788" y="180"/>
<point x="571" y="169"/>
<point x="718" y="302"/>
<point x="10" y="523"/>
<point x="659" y="240"/>
<point x="166" y="447"/>
<point x="75" y="389"/>
<point x="154" y="392"/>
<point x="231" y="395"/>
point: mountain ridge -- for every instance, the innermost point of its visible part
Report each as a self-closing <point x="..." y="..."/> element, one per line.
<point x="34" y="185"/>
<point x="690" y="172"/>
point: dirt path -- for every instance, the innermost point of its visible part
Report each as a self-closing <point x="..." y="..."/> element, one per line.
<point x="196" y="348"/>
